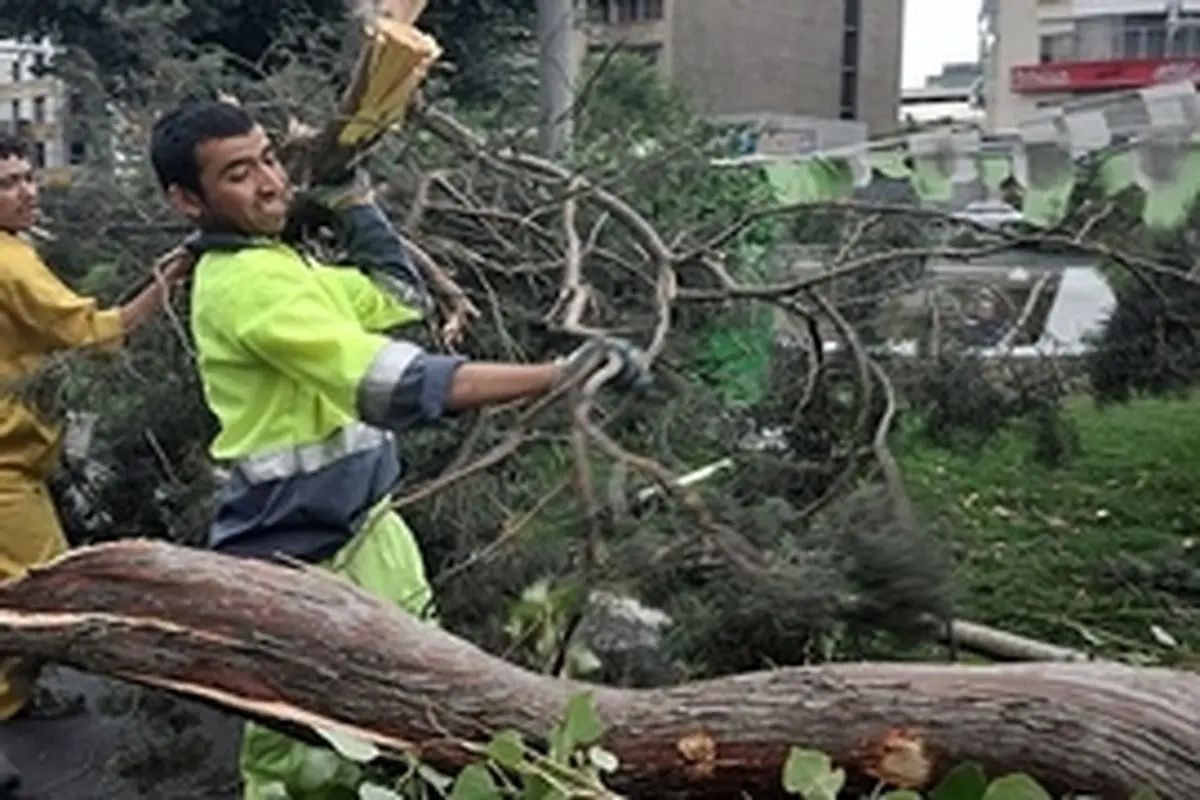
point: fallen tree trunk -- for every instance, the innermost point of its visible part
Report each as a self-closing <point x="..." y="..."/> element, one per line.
<point x="298" y="647"/>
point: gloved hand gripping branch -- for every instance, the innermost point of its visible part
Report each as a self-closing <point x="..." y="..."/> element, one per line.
<point x="633" y="375"/>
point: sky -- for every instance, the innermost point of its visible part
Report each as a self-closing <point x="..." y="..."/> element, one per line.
<point x="937" y="31"/>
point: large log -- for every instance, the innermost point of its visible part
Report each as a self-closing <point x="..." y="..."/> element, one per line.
<point x="300" y="647"/>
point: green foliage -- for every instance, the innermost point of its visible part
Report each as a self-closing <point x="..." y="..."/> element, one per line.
<point x="811" y="775"/>
<point x="1092" y="554"/>
<point x="482" y="39"/>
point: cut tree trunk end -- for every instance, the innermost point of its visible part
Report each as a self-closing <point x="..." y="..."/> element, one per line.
<point x="301" y="647"/>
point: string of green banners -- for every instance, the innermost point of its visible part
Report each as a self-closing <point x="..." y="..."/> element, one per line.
<point x="1146" y="140"/>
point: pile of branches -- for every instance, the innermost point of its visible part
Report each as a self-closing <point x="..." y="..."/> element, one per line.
<point x="806" y="533"/>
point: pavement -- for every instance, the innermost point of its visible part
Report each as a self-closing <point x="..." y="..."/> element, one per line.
<point x="132" y="744"/>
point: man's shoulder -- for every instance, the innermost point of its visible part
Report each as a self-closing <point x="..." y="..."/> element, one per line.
<point x="16" y="251"/>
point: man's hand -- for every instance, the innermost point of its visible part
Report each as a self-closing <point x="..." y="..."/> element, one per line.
<point x="352" y="188"/>
<point x="175" y="265"/>
<point x="633" y="375"/>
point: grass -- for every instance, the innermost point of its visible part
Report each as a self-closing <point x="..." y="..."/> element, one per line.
<point x="1103" y="553"/>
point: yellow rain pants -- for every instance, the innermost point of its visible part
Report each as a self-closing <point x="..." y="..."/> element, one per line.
<point x="384" y="560"/>
<point x="31" y="535"/>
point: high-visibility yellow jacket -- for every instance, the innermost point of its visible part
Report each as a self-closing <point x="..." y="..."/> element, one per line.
<point x="39" y="316"/>
<point x="305" y="385"/>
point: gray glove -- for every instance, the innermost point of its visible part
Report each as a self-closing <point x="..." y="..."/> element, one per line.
<point x="634" y="374"/>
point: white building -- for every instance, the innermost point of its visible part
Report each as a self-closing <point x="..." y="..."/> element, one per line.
<point x="1038" y="53"/>
<point x="35" y="105"/>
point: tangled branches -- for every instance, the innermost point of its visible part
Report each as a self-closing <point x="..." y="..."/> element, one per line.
<point x="765" y="358"/>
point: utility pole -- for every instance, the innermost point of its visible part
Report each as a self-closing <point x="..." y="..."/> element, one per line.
<point x="556" y="75"/>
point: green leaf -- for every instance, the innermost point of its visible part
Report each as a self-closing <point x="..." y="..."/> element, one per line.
<point x="582" y="725"/>
<point x="964" y="782"/>
<point x="1017" y="786"/>
<point x="474" y="783"/>
<point x="582" y="660"/>
<point x="1145" y="793"/>
<point x="507" y="749"/>
<point x="274" y="791"/>
<point x="810" y="774"/>
<point x="904" y="794"/>
<point x="373" y="791"/>
<point x="318" y="769"/>
<point x="357" y="750"/>
<point x="436" y="779"/>
<point x="602" y="759"/>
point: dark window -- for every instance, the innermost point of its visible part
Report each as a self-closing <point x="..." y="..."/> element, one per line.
<point x="638" y="10"/>
<point x="39" y="154"/>
<point x="78" y="152"/>
<point x="16" y="70"/>
<point x="597" y="11"/>
<point x="852" y="17"/>
<point x="39" y="110"/>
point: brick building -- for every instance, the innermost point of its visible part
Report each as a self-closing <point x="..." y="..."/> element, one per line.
<point x="836" y="60"/>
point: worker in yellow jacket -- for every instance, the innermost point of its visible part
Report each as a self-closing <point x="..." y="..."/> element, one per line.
<point x="309" y="392"/>
<point x="40" y="317"/>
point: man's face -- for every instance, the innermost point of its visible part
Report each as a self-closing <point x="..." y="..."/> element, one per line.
<point x="245" y="188"/>
<point x="18" y="195"/>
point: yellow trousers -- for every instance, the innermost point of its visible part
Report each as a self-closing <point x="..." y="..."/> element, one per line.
<point x="383" y="559"/>
<point x="30" y="534"/>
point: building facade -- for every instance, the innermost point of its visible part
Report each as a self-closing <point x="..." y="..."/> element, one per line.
<point x="1039" y="53"/>
<point x="833" y="60"/>
<point x="34" y="105"/>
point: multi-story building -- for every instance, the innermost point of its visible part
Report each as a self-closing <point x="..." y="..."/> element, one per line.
<point x="1039" y="53"/>
<point x="831" y="61"/>
<point x="33" y="104"/>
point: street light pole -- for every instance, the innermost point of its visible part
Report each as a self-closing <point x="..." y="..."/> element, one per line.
<point x="556" y="75"/>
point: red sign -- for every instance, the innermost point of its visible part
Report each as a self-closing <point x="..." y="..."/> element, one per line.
<point x="1089" y="76"/>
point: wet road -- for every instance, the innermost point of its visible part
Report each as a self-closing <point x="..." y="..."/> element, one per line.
<point x="133" y="744"/>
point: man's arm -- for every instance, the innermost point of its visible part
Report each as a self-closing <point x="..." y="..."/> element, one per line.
<point x="60" y="319"/>
<point x="371" y="242"/>
<point x="389" y="383"/>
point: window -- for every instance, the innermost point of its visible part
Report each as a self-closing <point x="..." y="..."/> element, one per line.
<point x="637" y="10"/>
<point x="39" y="64"/>
<point x="848" y="97"/>
<point x="16" y="69"/>
<point x="16" y="111"/>
<point x="597" y="11"/>
<point x="851" y="16"/>
<point x="39" y="155"/>
<point x="78" y="152"/>
<point x="1056" y="47"/>
<point x="39" y="110"/>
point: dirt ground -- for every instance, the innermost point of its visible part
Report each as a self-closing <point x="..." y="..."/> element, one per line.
<point x="133" y="744"/>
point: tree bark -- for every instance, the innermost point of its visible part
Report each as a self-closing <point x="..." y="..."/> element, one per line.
<point x="300" y="647"/>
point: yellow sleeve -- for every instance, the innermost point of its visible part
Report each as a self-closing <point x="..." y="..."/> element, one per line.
<point x="376" y="308"/>
<point x="53" y="316"/>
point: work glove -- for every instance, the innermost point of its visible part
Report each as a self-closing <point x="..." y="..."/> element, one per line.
<point x="349" y="188"/>
<point x="594" y="354"/>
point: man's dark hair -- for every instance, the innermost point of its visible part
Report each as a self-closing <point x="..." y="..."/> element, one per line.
<point x="178" y="133"/>
<point x="12" y="146"/>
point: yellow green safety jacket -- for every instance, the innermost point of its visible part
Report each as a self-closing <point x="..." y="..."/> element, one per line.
<point x="307" y="387"/>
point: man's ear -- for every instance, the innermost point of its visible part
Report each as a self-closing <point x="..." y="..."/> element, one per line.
<point x="186" y="202"/>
